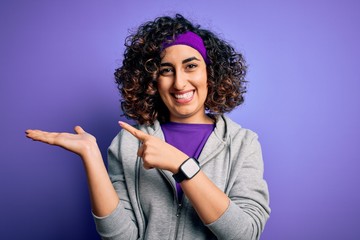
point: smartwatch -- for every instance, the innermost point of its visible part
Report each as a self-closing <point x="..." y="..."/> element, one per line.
<point x="187" y="170"/>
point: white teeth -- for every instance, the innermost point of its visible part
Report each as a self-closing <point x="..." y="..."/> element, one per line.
<point x="184" y="96"/>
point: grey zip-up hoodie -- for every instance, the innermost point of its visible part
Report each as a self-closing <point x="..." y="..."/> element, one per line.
<point x="149" y="208"/>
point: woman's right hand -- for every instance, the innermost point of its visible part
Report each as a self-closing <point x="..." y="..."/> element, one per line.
<point x="81" y="143"/>
<point x="104" y="198"/>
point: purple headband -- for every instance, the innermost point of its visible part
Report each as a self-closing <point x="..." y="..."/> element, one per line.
<point x="190" y="39"/>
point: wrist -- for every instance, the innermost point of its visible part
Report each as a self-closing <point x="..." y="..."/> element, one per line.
<point x="177" y="163"/>
<point x="90" y="151"/>
<point x="187" y="170"/>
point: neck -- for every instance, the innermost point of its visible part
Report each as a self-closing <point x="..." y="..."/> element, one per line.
<point x="203" y="120"/>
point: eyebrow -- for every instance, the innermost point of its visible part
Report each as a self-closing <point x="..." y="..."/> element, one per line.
<point x="190" y="59"/>
<point x="183" y="61"/>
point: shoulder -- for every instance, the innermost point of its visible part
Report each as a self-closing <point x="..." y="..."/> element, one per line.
<point x="125" y="136"/>
<point x="124" y="140"/>
<point x="234" y="130"/>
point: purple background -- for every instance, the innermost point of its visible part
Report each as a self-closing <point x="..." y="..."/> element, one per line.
<point x="56" y="71"/>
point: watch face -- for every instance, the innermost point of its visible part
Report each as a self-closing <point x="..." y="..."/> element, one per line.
<point x="190" y="168"/>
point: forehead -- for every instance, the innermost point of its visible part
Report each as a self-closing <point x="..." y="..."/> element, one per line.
<point x="179" y="53"/>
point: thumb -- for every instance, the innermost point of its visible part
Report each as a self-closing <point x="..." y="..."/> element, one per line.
<point x="79" y="130"/>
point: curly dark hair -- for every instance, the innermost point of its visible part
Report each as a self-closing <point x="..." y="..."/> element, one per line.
<point x="136" y="78"/>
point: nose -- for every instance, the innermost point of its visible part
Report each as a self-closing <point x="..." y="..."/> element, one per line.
<point x="180" y="80"/>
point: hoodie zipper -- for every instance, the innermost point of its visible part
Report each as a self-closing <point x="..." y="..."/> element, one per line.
<point x="137" y="177"/>
<point x="178" y="213"/>
<point x="179" y="204"/>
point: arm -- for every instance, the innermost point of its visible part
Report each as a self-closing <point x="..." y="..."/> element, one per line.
<point x="249" y="206"/>
<point x="102" y="194"/>
<point x="207" y="199"/>
<point x="122" y="223"/>
<point x="240" y="213"/>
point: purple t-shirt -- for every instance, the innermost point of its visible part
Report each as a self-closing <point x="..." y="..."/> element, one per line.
<point x="189" y="138"/>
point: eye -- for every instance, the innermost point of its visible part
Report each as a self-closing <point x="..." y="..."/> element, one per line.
<point x="168" y="71"/>
<point x="191" y="66"/>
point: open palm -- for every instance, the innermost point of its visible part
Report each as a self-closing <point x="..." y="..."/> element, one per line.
<point x="79" y="142"/>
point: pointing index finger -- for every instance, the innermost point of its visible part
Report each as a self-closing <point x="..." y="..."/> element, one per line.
<point x="135" y="132"/>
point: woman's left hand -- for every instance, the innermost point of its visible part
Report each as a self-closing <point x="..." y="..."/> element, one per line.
<point x="155" y="152"/>
<point x="208" y="200"/>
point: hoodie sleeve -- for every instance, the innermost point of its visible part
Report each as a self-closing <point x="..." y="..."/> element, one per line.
<point x="121" y="223"/>
<point x="249" y="209"/>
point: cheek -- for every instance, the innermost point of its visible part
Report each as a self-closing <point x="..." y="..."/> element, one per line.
<point x="203" y="77"/>
<point x="160" y="85"/>
<point x="162" y="88"/>
<point x="198" y="78"/>
<point x="203" y="82"/>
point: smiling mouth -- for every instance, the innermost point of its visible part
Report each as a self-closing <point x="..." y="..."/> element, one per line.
<point x="184" y="97"/>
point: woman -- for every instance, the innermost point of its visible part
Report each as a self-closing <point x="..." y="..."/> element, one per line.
<point x="185" y="171"/>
